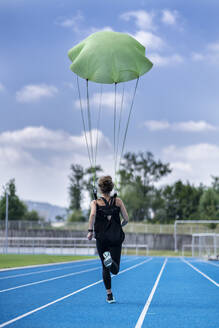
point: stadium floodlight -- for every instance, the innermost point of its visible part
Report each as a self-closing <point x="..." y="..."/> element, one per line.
<point x="188" y="221"/>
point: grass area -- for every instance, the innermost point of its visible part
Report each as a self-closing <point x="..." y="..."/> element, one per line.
<point x="157" y="253"/>
<point x="168" y="253"/>
<point x="19" y="260"/>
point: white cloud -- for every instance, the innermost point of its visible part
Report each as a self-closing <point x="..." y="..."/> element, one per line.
<point x="143" y="19"/>
<point x="203" y="151"/>
<point x="73" y="22"/>
<point x="39" y="159"/>
<point x="1" y="87"/>
<point x="12" y="155"/>
<point x="67" y="22"/>
<point x="153" y="42"/>
<point x="213" y="47"/>
<point x="210" y="54"/>
<point x="157" y="125"/>
<point x="76" y="23"/>
<point x="197" y="56"/>
<point x="34" y="92"/>
<point x="192" y="126"/>
<point x="180" y="166"/>
<point x="107" y="100"/>
<point x="41" y="138"/>
<point x="161" y="60"/>
<point x="94" y="29"/>
<point x="169" y="17"/>
<point x="194" y="163"/>
<point x="149" y="40"/>
<point x="189" y="126"/>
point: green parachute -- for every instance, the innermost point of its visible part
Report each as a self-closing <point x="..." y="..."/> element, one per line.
<point x="108" y="57"/>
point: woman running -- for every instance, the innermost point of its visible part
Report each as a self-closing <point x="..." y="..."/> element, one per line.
<point x="105" y="221"/>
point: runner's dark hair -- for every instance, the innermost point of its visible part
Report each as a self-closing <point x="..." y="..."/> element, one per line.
<point x="106" y="184"/>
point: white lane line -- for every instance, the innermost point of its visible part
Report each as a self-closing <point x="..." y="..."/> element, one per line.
<point x="130" y="260"/>
<point x="58" y="269"/>
<point x="134" y="266"/>
<point x="147" y="304"/>
<point x="211" y="263"/>
<point x="46" y="264"/>
<point x="50" y="279"/>
<point x="6" y="323"/>
<point x="42" y="271"/>
<point x="208" y="262"/>
<point x="202" y="273"/>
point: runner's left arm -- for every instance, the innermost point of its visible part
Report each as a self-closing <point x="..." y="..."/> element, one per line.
<point x="124" y="213"/>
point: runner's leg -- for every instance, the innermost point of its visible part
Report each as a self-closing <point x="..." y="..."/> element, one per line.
<point x="101" y="248"/>
<point x="115" y="252"/>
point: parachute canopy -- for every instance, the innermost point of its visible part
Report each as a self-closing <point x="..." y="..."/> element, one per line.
<point x="109" y="57"/>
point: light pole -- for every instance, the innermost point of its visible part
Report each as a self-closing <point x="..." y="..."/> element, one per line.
<point x="6" y="222"/>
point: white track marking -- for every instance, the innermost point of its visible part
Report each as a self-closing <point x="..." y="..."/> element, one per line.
<point x="130" y="260"/>
<point x="211" y="263"/>
<point x="46" y="264"/>
<point x="202" y="273"/>
<point x="58" y="269"/>
<point x="50" y="279"/>
<point x="147" y="304"/>
<point x="134" y="266"/>
<point x="6" y="323"/>
<point x="42" y="271"/>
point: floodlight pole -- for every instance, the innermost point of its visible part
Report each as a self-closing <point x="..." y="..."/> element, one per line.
<point x="6" y="223"/>
<point x="175" y="237"/>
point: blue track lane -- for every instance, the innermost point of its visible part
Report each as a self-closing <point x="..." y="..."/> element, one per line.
<point x="183" y="298"/>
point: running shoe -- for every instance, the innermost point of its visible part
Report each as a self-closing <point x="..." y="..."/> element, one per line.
<point x="110" y="299"/>
<point x="107" y="259"/>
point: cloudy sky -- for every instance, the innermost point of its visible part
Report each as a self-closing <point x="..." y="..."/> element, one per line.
<point x="176" y="112"/>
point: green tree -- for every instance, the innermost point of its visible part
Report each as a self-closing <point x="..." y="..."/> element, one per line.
<point x="209" y="205"/>
<point x="59" y="218"/>
<point x="17" y="210"/>
<point x="33" y="216"/>
<point x="76" y="186"/>
<point x="181" y="201"/>
<point x="138" y="174"/>
<point x="215" y="184"/>
<point x="76" y="216"/>
<point x="89" y="180"/>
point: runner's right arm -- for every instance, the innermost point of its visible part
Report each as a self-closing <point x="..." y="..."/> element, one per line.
<point x="91" y="219"/>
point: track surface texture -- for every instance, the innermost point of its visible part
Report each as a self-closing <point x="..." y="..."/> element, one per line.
<point x="149" y="291"/>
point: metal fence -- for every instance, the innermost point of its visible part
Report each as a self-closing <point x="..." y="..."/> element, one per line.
<point x="131" y="227"/>
<point x="25" y="225"/>
<point x="60" y="246"/>
<point x="153" y="228"/>
<point x="47" y="245"/>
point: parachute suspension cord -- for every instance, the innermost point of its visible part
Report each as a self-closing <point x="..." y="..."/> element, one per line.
<point x="90" y="132"/>
<point x="118" y="133"/>
<point x="83" y="121"/>
<point x="98" y="125"/>
<point x="128" y="120"/>
<point x="114" y="131"/>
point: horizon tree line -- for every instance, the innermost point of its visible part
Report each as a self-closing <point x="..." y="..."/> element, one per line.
<point x="145" y="202"/>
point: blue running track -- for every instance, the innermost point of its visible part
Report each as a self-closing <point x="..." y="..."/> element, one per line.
<point x="150" y="292"/>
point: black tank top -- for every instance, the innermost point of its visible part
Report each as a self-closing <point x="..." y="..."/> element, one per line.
<point x="107" y="224"/>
